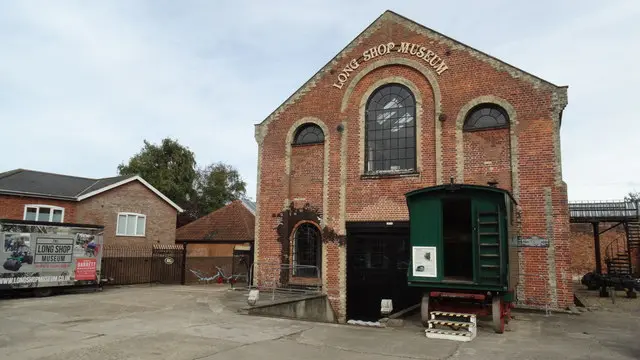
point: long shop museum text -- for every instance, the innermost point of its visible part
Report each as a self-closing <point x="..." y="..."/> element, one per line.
<point x="53" y="251"/>
<point x="428" y="56"/>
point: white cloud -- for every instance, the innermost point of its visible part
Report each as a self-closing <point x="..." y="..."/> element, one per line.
<point x="83" y="83"/>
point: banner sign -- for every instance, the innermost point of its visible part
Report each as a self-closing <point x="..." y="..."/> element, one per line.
<point x="53" y="250"/>
<point x="34" y="256"/>
<point x="85" y="269"/>
<point x="424" y="261"/>
<point x="533" y="241"/>
<point x="33" y="279"/>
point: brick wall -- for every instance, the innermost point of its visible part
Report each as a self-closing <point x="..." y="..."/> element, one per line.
<point x="583" y="258"/>
<point x="204" y="250"/>
<point x="134" y="198"/>
<point x="487" y="157"/>
<point x="12" y="207"/>
<point x="524" y="159"/>
<point x="306" y="176"/>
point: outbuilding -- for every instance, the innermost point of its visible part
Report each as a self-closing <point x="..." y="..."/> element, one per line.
<point x="402" y="108"/>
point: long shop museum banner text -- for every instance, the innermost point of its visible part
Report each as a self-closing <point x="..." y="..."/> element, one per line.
<point x="428" y="56"/>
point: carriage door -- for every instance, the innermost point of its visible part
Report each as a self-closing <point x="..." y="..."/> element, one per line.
<point x="488" y="235"/>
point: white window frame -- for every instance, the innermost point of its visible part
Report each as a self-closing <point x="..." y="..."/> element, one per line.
<point x="135" y="228"/>
<point x="41" y="206"/>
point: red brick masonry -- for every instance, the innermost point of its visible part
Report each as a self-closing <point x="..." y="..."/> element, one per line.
<point x="524" y="159"/>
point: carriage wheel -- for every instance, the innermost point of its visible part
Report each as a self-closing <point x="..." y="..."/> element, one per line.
<point x="424" y="309"/>
<point x="497" y="312"/>
<point x="507" y="312"/>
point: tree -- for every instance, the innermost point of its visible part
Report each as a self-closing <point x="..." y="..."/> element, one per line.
<point x="217" y="185"/>
<point x="169" y="167"/>
<point x="633" y="196"/>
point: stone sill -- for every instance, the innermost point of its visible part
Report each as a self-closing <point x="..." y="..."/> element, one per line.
<point x="390" y="175"/>
<point x="307" y="145"/>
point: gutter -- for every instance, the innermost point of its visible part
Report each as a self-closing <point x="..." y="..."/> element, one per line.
<point x="38" y="195"/>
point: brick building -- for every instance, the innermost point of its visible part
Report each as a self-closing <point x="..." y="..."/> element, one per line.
<point x="224" y="232"/>
<point x="403" y="107"/>
<point x="131" y="210"/>
<point x="605" y="237"/>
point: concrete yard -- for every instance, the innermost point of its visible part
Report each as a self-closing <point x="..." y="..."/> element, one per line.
<point x="182" y="322"/>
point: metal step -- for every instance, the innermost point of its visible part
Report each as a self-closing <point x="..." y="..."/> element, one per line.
<point x="488" y="223"/>
<point x="619" y="261"/>
<point x="466" y="325"/>
<point x="451" y="314"/>
<point x="618" y="272"/>
<point x="489" y="234"/>
<point x="489" y="244"/>
<point x="449" y="334"/>
<point x="489" y="255"/>
<point x="451" y="323"/>
<point x="490" y="266"/>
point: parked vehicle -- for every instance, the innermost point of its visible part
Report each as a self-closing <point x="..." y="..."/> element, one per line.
<point x="44" y="257"/>
<point x="463" y="251"/>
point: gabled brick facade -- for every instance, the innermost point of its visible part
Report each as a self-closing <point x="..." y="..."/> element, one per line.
<point x="133" y="197"/>
<point x="524" y="158"/>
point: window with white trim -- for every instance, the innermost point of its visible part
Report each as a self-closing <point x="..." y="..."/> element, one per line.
<point x="131" y="224"/>
<point x="44" y="213"/>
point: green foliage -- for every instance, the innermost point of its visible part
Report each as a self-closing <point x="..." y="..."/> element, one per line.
<point x="217" y="185"/>
<point x="171" y="168"/>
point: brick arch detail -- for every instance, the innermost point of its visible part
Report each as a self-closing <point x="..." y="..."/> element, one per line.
<point x="324" y="220"/>
<point x="513" y="125"/>
<point x="362" y="116"/>
<point x="292" y="239"/>
<point x="327" y="146"/>
<point x="435" y="88"/>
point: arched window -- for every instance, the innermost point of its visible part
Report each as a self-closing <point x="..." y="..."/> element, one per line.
<point x="390" y="135"/>
<point x="308" y="134"/>
<point x="486" y="116"/>
<point x="307" y="251"/>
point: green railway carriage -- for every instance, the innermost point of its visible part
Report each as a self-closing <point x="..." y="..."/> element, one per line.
<point x="464" y="249"/>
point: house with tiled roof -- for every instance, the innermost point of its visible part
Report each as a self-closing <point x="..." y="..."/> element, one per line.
<point x="132" y="211"/>
<point x="221" y="233"/>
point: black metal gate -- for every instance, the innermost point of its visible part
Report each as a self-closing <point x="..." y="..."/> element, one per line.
<point x="167" y="264"/>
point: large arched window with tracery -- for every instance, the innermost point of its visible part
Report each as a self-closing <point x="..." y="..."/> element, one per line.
<point x="390" y="130"/>
<point x="307" y="251"/>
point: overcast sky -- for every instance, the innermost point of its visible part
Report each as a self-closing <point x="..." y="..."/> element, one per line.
<point x="82" y="84"/>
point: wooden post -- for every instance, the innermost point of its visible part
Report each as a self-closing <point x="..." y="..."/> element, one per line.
<point x="596" y="241"/>
<point x="184" y="263"/>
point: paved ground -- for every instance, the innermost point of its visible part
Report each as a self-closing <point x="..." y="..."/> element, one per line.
<point x="201" y="323"/>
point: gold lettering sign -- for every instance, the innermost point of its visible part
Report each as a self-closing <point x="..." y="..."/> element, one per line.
<point x="426" y="55"/>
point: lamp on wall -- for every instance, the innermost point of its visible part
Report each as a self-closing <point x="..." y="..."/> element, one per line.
<point x="442" y="117"/>
<point x="340" y="128"/>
